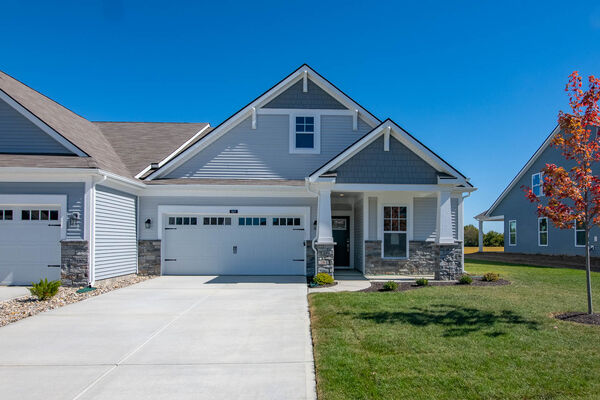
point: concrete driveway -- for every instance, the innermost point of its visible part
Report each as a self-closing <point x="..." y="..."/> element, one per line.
<point x="10" y="292"/>
<point x="169" y="337"/>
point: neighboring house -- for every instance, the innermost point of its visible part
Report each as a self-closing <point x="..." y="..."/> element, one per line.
<point x="302" y="179"/>
<point x="524" y="231"/>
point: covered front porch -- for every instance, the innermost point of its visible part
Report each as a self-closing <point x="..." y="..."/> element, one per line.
<point x="400" y="231"/>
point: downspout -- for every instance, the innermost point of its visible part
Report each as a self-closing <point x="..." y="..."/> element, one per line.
<point x="312" y="242"/>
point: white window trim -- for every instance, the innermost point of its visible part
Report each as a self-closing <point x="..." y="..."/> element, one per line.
<point x="539" y="232"/>
<point x="575" y="235"/>
<point x="383" y="232"/>
<point x="317" y="133"/>
<point x="509" y="222"/>
<point x="541" y="185"/>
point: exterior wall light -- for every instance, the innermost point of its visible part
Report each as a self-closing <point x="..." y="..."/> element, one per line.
<point x="148" y="223"/>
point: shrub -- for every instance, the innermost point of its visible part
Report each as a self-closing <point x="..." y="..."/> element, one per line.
<point x="323" y="279"/>
<point x="465" y="280"/>
<point x="390" y="286"/>
<point x="44" y="290"/>
<point x="422" y="282"/>
<point x="490" y="277"/>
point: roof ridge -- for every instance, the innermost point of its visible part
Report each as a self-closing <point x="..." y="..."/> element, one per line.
<point x="146" y="122"/>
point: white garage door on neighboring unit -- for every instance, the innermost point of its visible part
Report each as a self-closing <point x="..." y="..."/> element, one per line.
<point x="233" y="245"/>
<point x="29" y="244"/>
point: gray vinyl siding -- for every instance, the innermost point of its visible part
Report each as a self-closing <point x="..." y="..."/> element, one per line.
<point x="149" y="207"/>
<point x="74" y="191"/>
<point x="516" y="207"/>
<point x="115" y="247"/>
<point x="315" y="98"/>
<point x="425" y="218"/>
<point x="372" y="218"/>
<point x="359" y="243"/>
<point x="263" y="153"/>
<point x="454" y="212"/>
<point x="19" y="135"/>
<point x="398" y="166"/>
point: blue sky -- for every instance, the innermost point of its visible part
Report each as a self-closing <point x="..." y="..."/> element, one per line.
<point x="479" y="82"/>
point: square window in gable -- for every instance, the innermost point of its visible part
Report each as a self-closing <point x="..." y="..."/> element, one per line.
<point x="305" y="133"/>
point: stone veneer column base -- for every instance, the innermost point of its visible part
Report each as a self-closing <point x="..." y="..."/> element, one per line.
<point x="325" y="257"/>
<point x="450" y="262"/>
<point x="74" y="262"/>
<point x="149" y="257"/>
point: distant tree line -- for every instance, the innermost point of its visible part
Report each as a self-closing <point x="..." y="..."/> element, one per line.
<point x="490" y="239"/>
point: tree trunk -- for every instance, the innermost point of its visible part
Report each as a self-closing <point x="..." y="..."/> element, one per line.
<point x="587" y="270"/>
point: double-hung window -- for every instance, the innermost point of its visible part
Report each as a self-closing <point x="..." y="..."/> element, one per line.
<point x="512" y="233"/>
<point x="395" y="237"/>
<point x="543" y="231"/>
<point x="579" y="234"/>
<point x="537" y="184"/>
<point x="305" y="133"/>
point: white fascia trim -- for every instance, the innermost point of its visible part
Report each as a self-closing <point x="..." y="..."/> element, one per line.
<point x="377" y="187"/>
<point x="266" y="191"/>
<point x="59" y="200"/>
<point x="173" y="154"/>
<point x="286" y="111"/>
<point x="528" y="165"/>
<point x="404" y="138"/>
<point x="241" y="210"/>
<point x="258" y="103"/>
<point x="41" y="124"/>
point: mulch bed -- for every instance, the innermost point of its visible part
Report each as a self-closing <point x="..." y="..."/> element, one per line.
<point x="404" y="286"/>
<point x="580" y="318"/>
<point x="22" y="307"/>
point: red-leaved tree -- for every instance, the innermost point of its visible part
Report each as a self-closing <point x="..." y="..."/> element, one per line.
<point x="572" y="196"/>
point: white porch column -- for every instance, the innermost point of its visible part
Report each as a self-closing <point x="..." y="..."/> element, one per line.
<point x="445" y="218"/>
<point x="480" y="236"/>
<point x="324" y="233"/>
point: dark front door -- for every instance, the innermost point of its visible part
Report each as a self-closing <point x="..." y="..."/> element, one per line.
<point x="341" y="236"/>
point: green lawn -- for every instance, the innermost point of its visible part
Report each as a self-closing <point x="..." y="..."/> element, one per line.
<point x="460" y="342"/>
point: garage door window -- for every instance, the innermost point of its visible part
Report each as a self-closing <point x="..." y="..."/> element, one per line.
<point x="6" y="215"/>
<point x="39" y="215"/>
<point x="183" y="221"/>
<point x="216" y="221"/>
<point x="252" y="221"/>
<point x="286" y="221"/>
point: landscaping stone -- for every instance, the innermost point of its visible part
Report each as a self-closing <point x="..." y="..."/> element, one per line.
<point x="26" y="306"/>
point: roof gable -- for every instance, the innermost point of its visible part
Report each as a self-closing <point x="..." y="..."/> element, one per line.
<point x="389" y="127"/>
<point x="304" y="74"/>
<point x="520" y="174"/>
<point x="19" y="135"/>
<point x="313" y="98"/>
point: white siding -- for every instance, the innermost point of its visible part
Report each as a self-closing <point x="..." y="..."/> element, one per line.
<point x="115" y="249"/>
<point x="425" y="214"/>
<point x="358" y="235"/>
<point x="454" y="211"/>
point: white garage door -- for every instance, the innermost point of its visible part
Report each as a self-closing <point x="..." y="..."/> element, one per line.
<point x="233" y="245"/>
<point x="29" y="244"/>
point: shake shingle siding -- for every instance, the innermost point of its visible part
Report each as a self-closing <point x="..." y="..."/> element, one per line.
<point x="397" y="166"/>
<point x="315" y="98"/>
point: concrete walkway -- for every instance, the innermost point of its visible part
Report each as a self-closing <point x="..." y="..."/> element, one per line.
<point x="170" y="337"/>
<point x="10" y="292"/>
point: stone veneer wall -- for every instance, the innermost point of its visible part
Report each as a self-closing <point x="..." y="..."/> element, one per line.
<point x="149" y="257"/>
<point x="425" y="258"/>
<point x="310" y="259"/>
<point x="74" y="262"/>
